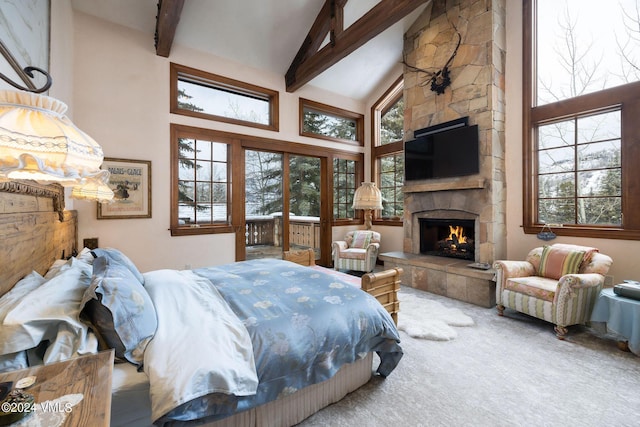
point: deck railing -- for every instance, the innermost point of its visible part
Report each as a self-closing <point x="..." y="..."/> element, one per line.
<point x="267" y="230"/>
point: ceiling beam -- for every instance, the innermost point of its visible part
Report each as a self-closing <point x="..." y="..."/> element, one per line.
<point x="310" y="62"/>
<point x="321" y="26"/>
<point x="166" y="24"/>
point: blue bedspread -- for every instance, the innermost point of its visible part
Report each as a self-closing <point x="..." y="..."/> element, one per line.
<point x="304" y="325"/>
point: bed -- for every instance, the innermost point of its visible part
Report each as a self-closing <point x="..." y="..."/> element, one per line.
<point x="325" y="367"/>
<point x="382" y="285"/>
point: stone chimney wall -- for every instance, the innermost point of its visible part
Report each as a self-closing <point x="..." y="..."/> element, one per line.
<point x="476" y="90"/>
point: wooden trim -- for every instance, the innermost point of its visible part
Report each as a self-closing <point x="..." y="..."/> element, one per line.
<point x="630" y="169"/>
<point x="169" y="12"/>
<point x="331" y="111"/>
<point x="585" y="104"/>
<point x="314" y="38"/>
<point x="239" y="142"/>
<point x="180" y="131"/>
<point x="32" y="188"/>
<point x="375" y="21"/>
<point x="286" y="199"/>
<point x="388" y="98"/>
<point x="238" y="197"/>
<point x="240" y="86"/>
<point x="626" y="97"/>
<point x="358" y="218"/>
<point x="326" y="211"/>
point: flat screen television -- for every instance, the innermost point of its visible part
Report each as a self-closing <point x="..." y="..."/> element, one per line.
<point x="444" y="153"/>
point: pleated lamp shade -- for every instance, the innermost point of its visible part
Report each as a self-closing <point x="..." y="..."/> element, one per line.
<point x="367" y="196"/>
<point x="38" y="142"/>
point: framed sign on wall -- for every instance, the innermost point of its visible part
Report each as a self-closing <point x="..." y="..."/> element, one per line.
<point x="130" y="181"/>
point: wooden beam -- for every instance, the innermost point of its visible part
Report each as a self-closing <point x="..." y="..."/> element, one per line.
<point x="166" y="24"/>
<point x="308" y="65"/>
<point x="314" y="39"/>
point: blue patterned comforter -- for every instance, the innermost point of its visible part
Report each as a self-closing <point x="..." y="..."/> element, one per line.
<point x="304" y="325"/>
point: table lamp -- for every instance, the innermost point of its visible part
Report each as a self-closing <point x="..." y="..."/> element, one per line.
<point x="367" y="197"/>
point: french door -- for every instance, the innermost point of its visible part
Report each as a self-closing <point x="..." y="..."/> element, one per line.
<point x="283" y="204"/>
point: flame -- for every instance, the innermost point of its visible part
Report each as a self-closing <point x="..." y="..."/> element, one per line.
<point x="456" y="234"/>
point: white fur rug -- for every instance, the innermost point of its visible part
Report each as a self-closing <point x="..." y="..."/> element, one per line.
<point x="427" y="319"/>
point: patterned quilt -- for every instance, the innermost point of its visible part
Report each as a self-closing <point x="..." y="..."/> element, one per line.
<point x="304" y="325"/>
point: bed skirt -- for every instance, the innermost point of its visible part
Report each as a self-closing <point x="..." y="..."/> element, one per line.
<point x="284" y="412"/>
<point x="293" y="409"/>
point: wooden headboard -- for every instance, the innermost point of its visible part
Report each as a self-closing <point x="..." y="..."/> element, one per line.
<point x="35" y="230"/>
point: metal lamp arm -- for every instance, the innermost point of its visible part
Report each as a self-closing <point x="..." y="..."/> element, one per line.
<point x="25" y="74"/>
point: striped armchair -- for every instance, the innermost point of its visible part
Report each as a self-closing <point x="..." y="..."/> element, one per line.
<point x="358" y="251"/>
<point x="558" y="283"/>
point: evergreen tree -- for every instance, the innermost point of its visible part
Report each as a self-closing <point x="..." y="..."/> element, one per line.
<point x="392" y="123"/>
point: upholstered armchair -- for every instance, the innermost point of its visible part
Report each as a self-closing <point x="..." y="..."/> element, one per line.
<point x="558" y="283"/>
<point x="358" y="251"/>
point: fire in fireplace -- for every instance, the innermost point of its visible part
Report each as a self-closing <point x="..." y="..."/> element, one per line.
<point x="452" y="238"/>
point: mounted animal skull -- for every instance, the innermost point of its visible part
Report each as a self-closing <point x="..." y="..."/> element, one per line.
<point x="440" y="79"/>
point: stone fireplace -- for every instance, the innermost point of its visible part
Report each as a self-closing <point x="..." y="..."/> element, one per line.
<point x="476" y="91"/>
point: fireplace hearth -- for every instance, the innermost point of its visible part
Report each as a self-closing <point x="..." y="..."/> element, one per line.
<point x="453" y="238"/>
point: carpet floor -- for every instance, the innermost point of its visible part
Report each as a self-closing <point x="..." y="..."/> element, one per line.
<point x="503" y="371"/>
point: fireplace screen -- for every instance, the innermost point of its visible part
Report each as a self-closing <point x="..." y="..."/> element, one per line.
<point x="452" y="238"/>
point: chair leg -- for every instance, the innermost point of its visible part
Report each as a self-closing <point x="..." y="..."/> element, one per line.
<point x="561" y="331"/>
<point x="500" y="308"/>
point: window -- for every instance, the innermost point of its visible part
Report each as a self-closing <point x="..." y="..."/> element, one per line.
<point x="391" y="180"/>
<point x="387" y="153"/>
<point x="346" y="179"/>
<point x="209" y="96"/>
<point x="201" y="182"/>
<point x="327" y="122"/>
<point x="579" y="178"/>
<point x="581" y="102"/>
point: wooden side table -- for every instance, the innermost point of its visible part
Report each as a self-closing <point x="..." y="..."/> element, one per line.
<point x="88" y="375"/>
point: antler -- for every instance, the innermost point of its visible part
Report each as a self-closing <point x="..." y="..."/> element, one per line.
<point x="439" y="79"/>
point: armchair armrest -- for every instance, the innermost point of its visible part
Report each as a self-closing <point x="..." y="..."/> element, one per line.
<point x="339" y="246"/>
<point x="576" y="287"/>
<point x="583" y="280"/>
<point x="508" y="269"/>
<point x="372" y="249"/>
<point x="515" y="268"/>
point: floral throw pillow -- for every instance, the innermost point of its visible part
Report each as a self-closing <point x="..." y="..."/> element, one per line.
<point x="555" y="262"/>
<point x="361" y="239"/>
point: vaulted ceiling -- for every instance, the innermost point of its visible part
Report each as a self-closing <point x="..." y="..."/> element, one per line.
<point x="347" y="47"/>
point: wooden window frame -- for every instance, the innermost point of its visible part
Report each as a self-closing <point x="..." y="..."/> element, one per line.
<point x="234" y="86"/>
<point x="359" y="173"/>
<point x="234" y="163"/>
<point x="332" y="111"/>
<point x="390" y="97"/>
<point x="238" y="143"/>
<point x="626" y="97"/>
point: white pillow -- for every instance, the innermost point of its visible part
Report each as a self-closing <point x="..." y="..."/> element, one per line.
<point x="55" y="268"/>
<point x="84" y="255"/>
<point x="9" y="300"/>
<point x="51" y="312"/>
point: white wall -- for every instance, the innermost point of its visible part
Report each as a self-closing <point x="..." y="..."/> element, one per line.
<point x="623" y="252"/>
<point x="121" y="99"/>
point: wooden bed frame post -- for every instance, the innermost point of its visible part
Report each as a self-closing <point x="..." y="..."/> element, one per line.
<point x="384" y="285"/>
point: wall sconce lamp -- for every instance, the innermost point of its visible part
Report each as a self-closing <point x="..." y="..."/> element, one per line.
<point x="38" y="142"/>
<point x="368" y="198"/>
